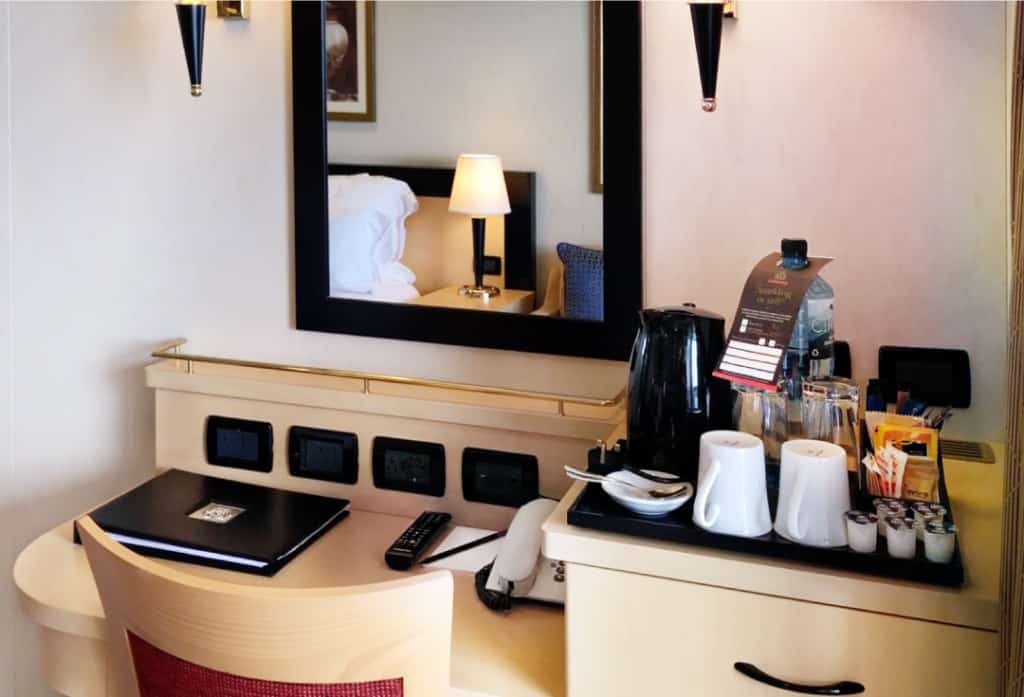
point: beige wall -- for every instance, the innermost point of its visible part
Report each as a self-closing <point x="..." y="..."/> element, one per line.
<point x="876" y="131"/>
<point x="7" y="545"/>
<point x="141" y="214"/>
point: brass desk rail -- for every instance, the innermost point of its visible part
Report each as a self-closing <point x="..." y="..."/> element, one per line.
<point x="172" y="351"/>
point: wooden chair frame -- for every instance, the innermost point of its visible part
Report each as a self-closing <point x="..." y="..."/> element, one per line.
<point x="318" y="635"/>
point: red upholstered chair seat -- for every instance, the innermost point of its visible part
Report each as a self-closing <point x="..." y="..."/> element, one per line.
<point x="162" y="675"/>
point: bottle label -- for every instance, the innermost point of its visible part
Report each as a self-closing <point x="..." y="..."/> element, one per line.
<point x="819" y="318"/>
<point x="763" y="325"/>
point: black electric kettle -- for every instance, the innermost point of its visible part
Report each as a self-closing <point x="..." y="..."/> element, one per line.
<point x="673" y="398"/>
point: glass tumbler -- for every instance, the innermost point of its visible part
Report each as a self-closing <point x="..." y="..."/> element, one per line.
<point x="761" y="413"/>
<point x="828" y="412"/>
<point x="746" y="410"/>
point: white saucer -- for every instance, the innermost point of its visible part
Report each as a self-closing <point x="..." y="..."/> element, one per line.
<point x="639" y="501"/>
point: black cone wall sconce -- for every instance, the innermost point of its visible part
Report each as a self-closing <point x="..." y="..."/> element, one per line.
<point x="707" y="35"/>
<point x="192" y="22"/>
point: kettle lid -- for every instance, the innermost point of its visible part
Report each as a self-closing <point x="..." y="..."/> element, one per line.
<point x="684" y="310"/>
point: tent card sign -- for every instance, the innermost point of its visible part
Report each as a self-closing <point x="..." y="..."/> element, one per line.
<point x="764" y="321"/>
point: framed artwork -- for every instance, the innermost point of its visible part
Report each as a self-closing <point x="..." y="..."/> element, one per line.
<point x="596" y="104"/>
<point x="349" y="60"/>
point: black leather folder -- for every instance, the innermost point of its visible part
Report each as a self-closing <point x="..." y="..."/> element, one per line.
<point x="218" y="522"/>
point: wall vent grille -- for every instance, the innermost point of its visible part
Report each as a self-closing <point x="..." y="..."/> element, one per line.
<point x="969" y="450"/>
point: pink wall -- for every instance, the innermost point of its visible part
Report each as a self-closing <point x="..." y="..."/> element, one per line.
<point x="874" y="130"/>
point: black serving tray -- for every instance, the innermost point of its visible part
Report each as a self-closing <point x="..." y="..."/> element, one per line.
<point x="596" y="510"/>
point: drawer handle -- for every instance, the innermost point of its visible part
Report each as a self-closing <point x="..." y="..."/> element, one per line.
<point x="844" y="687"/>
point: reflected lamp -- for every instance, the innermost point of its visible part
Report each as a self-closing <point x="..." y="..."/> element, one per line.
<point x="478" y="191"/>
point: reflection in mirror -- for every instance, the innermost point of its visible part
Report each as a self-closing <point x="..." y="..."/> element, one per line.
<point x="411" y="87"/>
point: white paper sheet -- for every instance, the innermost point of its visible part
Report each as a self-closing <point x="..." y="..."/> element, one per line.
<point x="470" y="560"/>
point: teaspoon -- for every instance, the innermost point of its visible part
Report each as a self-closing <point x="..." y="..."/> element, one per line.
<point x="657" y="493"/>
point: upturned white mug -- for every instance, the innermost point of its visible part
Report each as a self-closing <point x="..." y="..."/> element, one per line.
<point x="732" y="498"/>
<point x="814" y="494"/>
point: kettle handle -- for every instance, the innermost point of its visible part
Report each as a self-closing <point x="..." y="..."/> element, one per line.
<point x="701" y="517"/>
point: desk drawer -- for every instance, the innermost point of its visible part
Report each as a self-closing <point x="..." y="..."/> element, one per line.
<point x="629" y="634"/>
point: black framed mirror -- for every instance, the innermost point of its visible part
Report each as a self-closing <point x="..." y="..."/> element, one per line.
<point x="355" y="249"/>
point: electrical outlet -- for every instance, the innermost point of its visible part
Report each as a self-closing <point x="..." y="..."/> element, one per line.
<point x="492" y="265"/>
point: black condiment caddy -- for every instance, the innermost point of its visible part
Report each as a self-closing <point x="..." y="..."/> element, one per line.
<point x="596" y="510"/>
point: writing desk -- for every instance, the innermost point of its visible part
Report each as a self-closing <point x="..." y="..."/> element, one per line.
<point x="519" y="654"/>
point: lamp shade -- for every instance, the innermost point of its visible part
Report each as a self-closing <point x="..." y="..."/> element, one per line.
<point x="479" y="186"/>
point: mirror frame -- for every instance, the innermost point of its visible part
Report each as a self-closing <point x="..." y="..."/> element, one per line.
<point x="612" y="338"/>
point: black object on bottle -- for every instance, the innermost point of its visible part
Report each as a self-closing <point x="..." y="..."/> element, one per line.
<point x="707" y="34"/>
<point x="795" y="249"/>
<point x="192" y="22"/>
<point x="673" y="398"/>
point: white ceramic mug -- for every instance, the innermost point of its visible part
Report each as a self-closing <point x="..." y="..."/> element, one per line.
<point x="732" y="498"/>
<point x="814" y="494"/>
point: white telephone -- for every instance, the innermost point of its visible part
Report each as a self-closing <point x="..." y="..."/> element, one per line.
<point x="520" y="570"/>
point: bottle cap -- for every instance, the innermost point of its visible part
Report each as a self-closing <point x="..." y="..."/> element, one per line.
<point x="898" y="522"/>
<point x="889" y="505"/>
<point x="794" y="248"/>
<point x="939" y="528"/>
<point x="897" y="508"/>
<point x="861" y="517"/>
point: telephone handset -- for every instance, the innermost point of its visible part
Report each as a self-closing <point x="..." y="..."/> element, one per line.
<point x="520" y="570"/>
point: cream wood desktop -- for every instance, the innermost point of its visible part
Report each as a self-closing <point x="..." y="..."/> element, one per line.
<point x="656" y="618"/>
<point x="634" y="607"/>
<point x="517" y="655"/>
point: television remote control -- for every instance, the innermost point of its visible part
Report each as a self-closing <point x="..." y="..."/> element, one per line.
<point x="411" y="544"/>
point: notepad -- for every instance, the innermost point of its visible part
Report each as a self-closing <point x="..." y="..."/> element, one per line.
<point x="472" y="559"/>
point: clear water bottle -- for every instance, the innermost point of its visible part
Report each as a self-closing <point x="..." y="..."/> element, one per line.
<point x="810" y="351"/>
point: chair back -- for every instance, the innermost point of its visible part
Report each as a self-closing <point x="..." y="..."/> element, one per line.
<point x="172" y="632"/>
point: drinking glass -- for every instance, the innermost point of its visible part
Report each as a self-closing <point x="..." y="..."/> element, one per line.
<point x="828" y="412"/>
<point x="746" y="410"/>
<point x="762" y="413"/>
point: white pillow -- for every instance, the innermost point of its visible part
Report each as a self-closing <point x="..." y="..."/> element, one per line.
<point x="396" y="272"/>
<point x="393" y="201"/>
<point x="392" y="198"/>
<point x="351" y="239"/>
<point x="395" y="292"/>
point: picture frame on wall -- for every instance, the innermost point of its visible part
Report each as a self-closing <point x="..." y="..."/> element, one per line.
<point x="596" y="97"/>
<point x="349" y="59"/>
